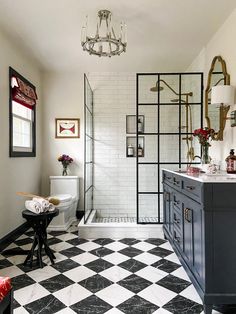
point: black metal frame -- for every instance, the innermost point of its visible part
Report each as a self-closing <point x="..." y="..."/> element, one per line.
<point x="86" y="82"/>
<point x="13" y="153"/>
<point x="179" y="164"/>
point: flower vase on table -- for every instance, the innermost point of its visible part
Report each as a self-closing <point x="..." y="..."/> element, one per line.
<point x="64" y="171"/>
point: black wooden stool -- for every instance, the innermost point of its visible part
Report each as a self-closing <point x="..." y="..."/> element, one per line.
<point x="39" y="223"/>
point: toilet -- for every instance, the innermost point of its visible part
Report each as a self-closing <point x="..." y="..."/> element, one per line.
<point x="66" y="189"/>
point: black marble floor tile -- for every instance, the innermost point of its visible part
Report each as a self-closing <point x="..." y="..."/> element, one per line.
<point x="95" y="283"/>
<point x="23" y="241"/>
<point x="65" y="265"/>
<point x="155" y="241"/>
<point x="5" y="263"/>
<point x="132" y="265"/>
<point x="52" y="241"/>
<point x="103" y="241"/>
<point x="182" y="305"/>
<point x="14" y="251"/>
<point x="56" y="283"/>
<point x="27" y="268"/>
<point x="129" y="241"/>
<point x="29" y="233"/>
<point x="134" y="283"/>
<point x="99" y="265"/>
<point x="101" y="251"/>
<point x="21" y="281"/>
<point x="72" y="251"/>
<point x="173" y="283"/>
<point x="130" y="251"/>
<point x="57" y="233"/>
<point x="91" y="305"/>
<point x="15" y="304"/>
<point x="77" y="241"/>
<point x="137" y="305"/>
<point x="166" y="265"/>
<point x="159" y="251"/>
<point x="46" y="305"/>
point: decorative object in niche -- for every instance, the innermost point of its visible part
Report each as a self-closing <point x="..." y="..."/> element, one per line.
<point x="131" y="124"/>
<point x="216" y="116"/>
<point x="105" y="43"/>
<point x="67" y="128"/>
<point x="65" y="160"/>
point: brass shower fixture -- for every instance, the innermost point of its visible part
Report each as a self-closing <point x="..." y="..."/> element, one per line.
<point x="188" y="115"/>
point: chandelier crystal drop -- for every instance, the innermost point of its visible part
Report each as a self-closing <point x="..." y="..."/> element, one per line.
<point x="105" y="43"/>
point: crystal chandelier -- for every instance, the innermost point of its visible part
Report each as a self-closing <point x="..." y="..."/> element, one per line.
<point x="104" y="43"/>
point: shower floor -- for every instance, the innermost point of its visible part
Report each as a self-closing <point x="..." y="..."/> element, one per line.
<point x="126" y="220"/>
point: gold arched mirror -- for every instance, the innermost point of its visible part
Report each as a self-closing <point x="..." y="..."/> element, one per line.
<point x="215" y="116"/>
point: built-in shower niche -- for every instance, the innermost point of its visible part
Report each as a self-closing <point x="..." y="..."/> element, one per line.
<point x="132" y="142"/>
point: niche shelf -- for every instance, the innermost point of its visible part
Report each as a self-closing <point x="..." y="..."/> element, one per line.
<point x="131" y="124"/>
<point x="131" y="140"/>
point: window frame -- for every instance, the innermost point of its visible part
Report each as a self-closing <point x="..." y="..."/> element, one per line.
<point x="12" y="151"/>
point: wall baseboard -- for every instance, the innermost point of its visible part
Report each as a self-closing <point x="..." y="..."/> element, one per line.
<point x="12" y="236"/>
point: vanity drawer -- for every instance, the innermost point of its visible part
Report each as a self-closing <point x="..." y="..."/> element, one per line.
<point x="168" y="177"/>
<point x="192" y="189"/>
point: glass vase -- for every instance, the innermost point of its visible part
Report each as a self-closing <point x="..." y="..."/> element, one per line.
<point x="206" y="159"/>
<point x="64" y="171"/>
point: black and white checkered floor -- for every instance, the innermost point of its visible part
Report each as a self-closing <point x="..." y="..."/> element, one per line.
<point x="101" y="276"/>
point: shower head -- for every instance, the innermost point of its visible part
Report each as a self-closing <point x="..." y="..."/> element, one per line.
<point x="156" y="89"/>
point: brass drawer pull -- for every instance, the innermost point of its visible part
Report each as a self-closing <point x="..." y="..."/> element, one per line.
<point x="187" y="213"/>
<point x="190" y="187"/>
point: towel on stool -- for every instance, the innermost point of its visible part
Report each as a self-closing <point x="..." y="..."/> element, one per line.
<point x="39" y="205"/>
<point x="5" y="287"/>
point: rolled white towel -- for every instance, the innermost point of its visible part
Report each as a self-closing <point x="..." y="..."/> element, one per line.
<point x="44" y="203"/>
<point x="33" y="206"/>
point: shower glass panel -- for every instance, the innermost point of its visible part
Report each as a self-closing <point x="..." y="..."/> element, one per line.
<point x="88" y="149"/>
<point x="172" y="107"/>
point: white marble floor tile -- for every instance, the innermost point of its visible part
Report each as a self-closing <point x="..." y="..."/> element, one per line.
<point x="151" y="273"/>
<point x="72" y="294"/>
<point x="147" y="258"/>
<point x="43" y="273"/>
<point x="88" y="246"/>
<point x="116" y="246"/>
<point x="114" y="294"/>
<point x="66" y="311"/>
<point x="115" y="258"/>
<point x="173" y="258"/>
<point x="157" y="295"/>
<point x="84" y="258"/>
<point x="115" y="273"/>
<point x="166" y="246"/>
<point x="144" y="246"/>
<point x="181" y="273"/>
<point x="161" y="311"/>
<point x="191" y="293"/>
<point x="11" y="271"/>
<point x="79" y="273"/>
<point x="17" y="259"/>
<point x="30" y="293"/>
<point x="20" y="310"/>
<point x="60" y="246"/>
<point x="67" y="236"/>
<point x="59" y="258"/>
<point x="114" y="311"/>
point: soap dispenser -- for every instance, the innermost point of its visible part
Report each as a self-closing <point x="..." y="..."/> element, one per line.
<point x="231" y="162"/>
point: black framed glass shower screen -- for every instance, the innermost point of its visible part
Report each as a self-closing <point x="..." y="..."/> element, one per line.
<point x="170" y="118"/>
<point x="88" y="149"/>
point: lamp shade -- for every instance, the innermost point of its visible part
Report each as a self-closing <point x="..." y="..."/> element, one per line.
<point x="222" y="94"/>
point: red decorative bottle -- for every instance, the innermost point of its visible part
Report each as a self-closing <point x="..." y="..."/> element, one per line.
<point x="231" y="162"/>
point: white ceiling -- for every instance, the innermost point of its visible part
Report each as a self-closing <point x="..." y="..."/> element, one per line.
<point x="163" y="35"/>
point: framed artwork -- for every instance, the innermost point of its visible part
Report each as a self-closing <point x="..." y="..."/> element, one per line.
<point x="67" y="128"/>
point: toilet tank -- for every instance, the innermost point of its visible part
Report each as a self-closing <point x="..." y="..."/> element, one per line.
<point x="64" y="185"/>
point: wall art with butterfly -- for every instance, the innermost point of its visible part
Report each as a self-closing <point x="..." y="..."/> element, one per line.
<point x="67" y="128"/>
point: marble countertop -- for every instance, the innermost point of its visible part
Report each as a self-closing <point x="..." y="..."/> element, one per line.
<point x="221" y="177"/>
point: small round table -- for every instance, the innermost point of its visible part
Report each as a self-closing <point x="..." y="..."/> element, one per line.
<point x="39" y="223"/>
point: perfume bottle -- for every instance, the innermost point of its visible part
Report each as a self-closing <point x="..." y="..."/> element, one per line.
<point x="130" y="151"/>
<point x="231" y="162"/>
<point x="140" y="126"/>
<point x="140" y="151"/>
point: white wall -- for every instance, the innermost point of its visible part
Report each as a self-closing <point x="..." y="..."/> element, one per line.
<point x="63" y="98"/>
<point x="222" y="43"/>
<point x="16" y="174"/>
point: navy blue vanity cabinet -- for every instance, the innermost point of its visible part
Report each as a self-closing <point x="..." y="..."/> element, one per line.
<point x="200" y="223"/>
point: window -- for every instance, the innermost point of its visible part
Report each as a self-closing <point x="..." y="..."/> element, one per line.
<point x="22" y="116"/>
